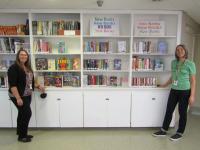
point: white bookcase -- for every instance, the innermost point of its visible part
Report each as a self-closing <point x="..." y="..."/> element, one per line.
<point x="124" y="63"/>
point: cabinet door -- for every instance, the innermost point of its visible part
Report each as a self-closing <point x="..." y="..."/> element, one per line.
<point x="71" y="109"/>
<point x="47" y="110"/>
<point x="119" y="105"/>
<point x="107" y="109"/>
<point x="5" y="110"/>
<point x="32" y="122"/>
<point x="95" y="109"/>
<point x="148" y="108"/>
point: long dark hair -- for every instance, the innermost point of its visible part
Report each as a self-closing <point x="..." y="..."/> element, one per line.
<point x="185" y="49"/>
<point x="27" y="63"/>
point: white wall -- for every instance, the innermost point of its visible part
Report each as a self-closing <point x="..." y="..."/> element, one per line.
<point x="189" y="37"/>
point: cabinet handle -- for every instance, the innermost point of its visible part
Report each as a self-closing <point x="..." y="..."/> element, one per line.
<point x="153" y="99"/>
<point x="107" y="99"/>
<point x="58" y="99"/>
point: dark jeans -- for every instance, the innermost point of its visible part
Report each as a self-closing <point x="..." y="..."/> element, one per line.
<point x="182" y="98"/>
<point x="24" y="115"/>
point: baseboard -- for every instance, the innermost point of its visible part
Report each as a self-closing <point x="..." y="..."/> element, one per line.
<point x="195" y="111"/>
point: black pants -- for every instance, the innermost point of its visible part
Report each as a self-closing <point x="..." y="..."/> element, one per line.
<point x="24" y="115"/>
<point x="182" y="98"/>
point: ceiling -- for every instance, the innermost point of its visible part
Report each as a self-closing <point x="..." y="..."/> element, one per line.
<point x="191" y="7"/>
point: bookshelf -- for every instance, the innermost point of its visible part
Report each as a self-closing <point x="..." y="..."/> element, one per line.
<point x="154" y="42"/>
<point x="101" y="61"/>
<point x="106" y="50"/>
<point x="56" y="49"/>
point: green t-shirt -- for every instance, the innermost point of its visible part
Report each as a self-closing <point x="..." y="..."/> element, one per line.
<point x="181" y="72"/>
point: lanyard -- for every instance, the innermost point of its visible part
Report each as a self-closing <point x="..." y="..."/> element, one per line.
<point x="178" y="69"/>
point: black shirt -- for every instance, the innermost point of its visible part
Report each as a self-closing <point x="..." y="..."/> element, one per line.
<point x="17" y="78"/>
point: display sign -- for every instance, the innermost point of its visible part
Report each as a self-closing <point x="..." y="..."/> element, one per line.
<point x="149" y="28"/>
<point x="104" y="26"/>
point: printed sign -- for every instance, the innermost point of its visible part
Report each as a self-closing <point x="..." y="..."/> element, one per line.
<point x="104" y="26"/>
<point x="149" y="28"/>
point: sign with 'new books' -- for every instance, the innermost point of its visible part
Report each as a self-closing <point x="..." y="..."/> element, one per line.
<point x="149" y="28"/>
<point x="104" y="26"/>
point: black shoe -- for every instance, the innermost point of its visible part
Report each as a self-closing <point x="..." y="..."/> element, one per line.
<point x="24" y="140"/>
<point x="176" y="137"/>
<point x="29" y="136"/>
<point x="160" y="133"/>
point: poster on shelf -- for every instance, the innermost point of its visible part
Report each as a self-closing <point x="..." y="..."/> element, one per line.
<point x="149" y="28"/>
<point x="104" y="26"/>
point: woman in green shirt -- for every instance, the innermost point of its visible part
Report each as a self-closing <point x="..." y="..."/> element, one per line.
<point x="183" y="82"/>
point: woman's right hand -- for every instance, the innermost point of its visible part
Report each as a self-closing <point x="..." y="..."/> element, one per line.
<point x="19" y="102"/>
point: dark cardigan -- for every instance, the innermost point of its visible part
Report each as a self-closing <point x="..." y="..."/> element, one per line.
<point x="17" y="78"/>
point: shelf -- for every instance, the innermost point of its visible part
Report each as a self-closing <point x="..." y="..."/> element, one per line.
<point x="19" y="36"/>
<point x="3" y="71"/>
<point x="7" y="53"/>
<point x="57" y="70"/>
<point x="102" y="53"/>
<point x="113" y="36"/>
<point x="114" y="71"/>
<point x="155" y="36"/>
<point x="56" y="36"/>
<point x="56" y="54"/>
<point x="150" y="71"/>
<point x="151" y="54"/>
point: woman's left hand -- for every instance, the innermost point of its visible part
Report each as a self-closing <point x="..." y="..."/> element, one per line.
<point x="41" y="89"/>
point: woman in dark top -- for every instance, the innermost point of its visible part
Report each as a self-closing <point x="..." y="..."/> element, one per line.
<point x="21" y="85"/>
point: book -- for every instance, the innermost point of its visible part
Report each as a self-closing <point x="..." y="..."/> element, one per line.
<point x="117" y="64"/>
<point x="41" y="63"/>
<point x="51" y="64"/>
<point x="58" y="81"/>
<point x="162" y="47"/>
<point x="121" y="46"/>
<point x="62" y="63"/>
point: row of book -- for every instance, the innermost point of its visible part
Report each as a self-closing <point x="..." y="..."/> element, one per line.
<point x="151" y="47"/>
<point x="102" y="64"/>
<point x="147" y="64"/>
<point x="12" y="45"/>
<point x="104" y="46"/>
<point x="60" y="27"/>
<point x="3" y="82"/>
<point x="19" y="29"/>
<point x="60" y="80"/>
<point x="104" y="80"/>
<point x="144" y="81"/>
<point x="43" y="46"/>
<point x="61" y="63"/>
<point x="5" y="63"/>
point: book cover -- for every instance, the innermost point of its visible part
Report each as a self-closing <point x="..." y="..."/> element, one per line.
<point x="51" y="64"/>
<point x="121" y="46"/>
<point x="117" y="64"/>
<point x="162" y="47"/>
<point x="41" y="63"/>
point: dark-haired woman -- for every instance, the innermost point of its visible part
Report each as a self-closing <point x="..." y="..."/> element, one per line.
<point x="21" y="85"/>
<point x="183" y="82"/>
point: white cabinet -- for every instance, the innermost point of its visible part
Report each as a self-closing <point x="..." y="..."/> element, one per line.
<point x="107" y="109"/>
<point x="32" y="122"/>
<point x="148" y="108"/>
<point x="47" y="110"/>
<point x="71" y="109"/>
<point x="59" y="109"/>
<point x="5" y="110"/>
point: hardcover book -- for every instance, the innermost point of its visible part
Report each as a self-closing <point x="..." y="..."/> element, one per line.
<point x="41" y="63"/>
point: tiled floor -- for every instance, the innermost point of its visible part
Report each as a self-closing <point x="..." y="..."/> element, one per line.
<point x="103" y="139"/>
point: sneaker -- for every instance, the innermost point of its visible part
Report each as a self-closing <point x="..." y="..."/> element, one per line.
<point x="159" y="133"/>
<point x="176" y="137"/>
<point x="24" y="140"/>
<point x="29" y="136"/>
